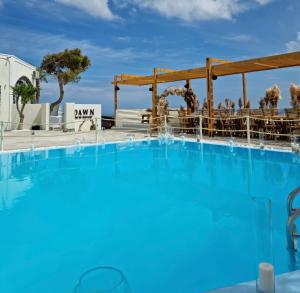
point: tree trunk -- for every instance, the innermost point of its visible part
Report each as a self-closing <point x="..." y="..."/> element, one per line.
<point x="55" y="105"/>
<point x="38" y="91"/>
<point x="21" y="122"/>
<point x="21" y="114"/>
<point x="19" y="111"/>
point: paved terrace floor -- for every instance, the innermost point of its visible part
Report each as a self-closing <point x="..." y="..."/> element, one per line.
<point x="25" y="139"/>
<point x="16" y="140"/>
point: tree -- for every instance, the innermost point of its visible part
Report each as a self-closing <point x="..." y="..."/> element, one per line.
<point x="24" y="93"/>
<point x="66" y="67"/>
<point x="41" y="78"/>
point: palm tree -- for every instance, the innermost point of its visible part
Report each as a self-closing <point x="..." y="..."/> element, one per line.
<point x="24" y="94"/>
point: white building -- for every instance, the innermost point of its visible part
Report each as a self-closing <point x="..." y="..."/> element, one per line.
<point x="12" y="71"/>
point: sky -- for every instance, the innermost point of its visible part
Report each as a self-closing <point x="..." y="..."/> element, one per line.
<point x="134" y="36"/>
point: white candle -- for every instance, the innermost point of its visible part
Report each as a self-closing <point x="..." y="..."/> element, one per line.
<point x="266" y="278"/>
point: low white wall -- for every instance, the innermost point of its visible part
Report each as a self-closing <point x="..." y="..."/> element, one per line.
<point x="129" y="116"/>
<point x="133" y="117"/>
<point x="76" y="114"/>
<point x="35" y="114"/>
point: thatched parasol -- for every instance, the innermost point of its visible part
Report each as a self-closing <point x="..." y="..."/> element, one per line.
<point x="295" y="96"/>
<point x="272" y="97"/>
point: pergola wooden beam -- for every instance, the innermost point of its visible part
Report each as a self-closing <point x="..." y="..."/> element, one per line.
<point x="210" y="72"/>
<point x="217" y="60"/>
<point x="154" y="99"/>
<point x="210" y="95"/>
<point x="176" y="75"/>
<point x="115" y="95"/>
<point x="223" y="69"/>
<point x="244" y="90"/>
<point x="179" y="75"/>
<point x="127" y="76"/>
<point x="258" y="64"/>
<point x="165" y="70"/>
<point x="137" y="81"/>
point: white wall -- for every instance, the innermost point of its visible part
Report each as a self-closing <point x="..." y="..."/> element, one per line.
<point x="132" y="118"/>
<point x="129" y="116"/>
<point x="5" y="90"/>
<point x="35" y="114"/>
<point x="11" y="69"/>
<point x="75" y="114"/>
<point x="21" y="68"/>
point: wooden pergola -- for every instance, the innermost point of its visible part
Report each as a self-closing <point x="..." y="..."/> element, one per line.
<point x="214" y="68"/>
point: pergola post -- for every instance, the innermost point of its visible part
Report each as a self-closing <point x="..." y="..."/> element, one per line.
<point x="188" y="84"/>
<point x="244" y="90"/>
<point x="154" y="99"/>
<point x="115" y="96"/>
<point x="210" y="95"/>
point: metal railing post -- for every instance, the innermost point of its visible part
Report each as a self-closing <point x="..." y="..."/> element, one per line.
<point x="248" y="130"/>
<point x="201" y="130"/>
<point x="1" y="136"/>
<point x="96" y="128"/>
<point x="166" y="125"/>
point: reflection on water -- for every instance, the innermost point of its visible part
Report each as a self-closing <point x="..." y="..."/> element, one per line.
<point x="162" y="214"/>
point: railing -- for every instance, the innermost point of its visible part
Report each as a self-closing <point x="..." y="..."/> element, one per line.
<point x="293" y="215"/>
<point x="248" y="127"/>
<point x="88" y="131"/>
<point x="250" y="130"/>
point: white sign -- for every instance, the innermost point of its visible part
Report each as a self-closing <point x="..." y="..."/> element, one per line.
<point x="82" y="117"/>
<point x="84" y="113"/>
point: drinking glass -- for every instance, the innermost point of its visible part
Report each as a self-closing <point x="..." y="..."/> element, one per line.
<point x="102" y="280"/>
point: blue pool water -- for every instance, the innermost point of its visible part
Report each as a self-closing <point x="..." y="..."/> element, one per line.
<point x="173" y="218"/>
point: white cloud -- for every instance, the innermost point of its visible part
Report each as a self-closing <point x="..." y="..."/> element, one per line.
<point x="123" y="38"/>
<point x="45" y="43"/>
<point x="294" y="45"/>
<point x="186" y="10"/>
<point x="239" y="38"/>
<point x="96" y="8"/>
<point x="264" y="2"/>
<point x="194" y="10"/>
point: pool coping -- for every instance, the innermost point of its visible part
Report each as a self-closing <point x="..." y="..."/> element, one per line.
<point x="71" y="146"/>
<point x="285" y="283"/>
<point x="203" y="141"/>
<point x="241" y="145"/>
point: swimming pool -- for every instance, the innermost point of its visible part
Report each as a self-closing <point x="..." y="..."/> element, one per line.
<point x="172" y="217"/>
